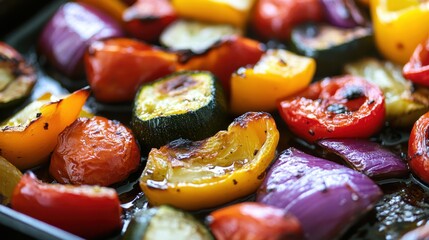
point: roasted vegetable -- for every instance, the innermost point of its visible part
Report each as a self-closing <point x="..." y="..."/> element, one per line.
<point x="86" y="211"/>
<point x="404" y="103"/>
<point x="367" y="157"/>
<point x="418" y="148"/>
<point x="225" y="12"/>
<point x="9" y="178"/>
<point x="327" y="198"/>
<point x="115" y="68"/>
<point x="399" y="26"/>
<point x="219" y="169"/>
<point x="274" y="19"/>
<point x="146" y="19"/>
<point x="194" y="36"/>
<point x="343" y="13"/>
<point x="325" y="43"/>
<point x="17" y="77"/>
<point x="340" y="107"/>
<point x="278" y="74"/>
<point x="165" y="223"/>
<point x="225" y="58"/>
<point x="28" y="137"/>
<point x="67" y="35"/>
<point x="417" y="68"/>
<point x="255" y="221"/>
<point x="94" y="151"/>
<point x="187" y="105"/>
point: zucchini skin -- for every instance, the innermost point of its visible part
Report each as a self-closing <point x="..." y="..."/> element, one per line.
<point x="193" y="125"/>
<point x="327" y="59"/>
<point x="145" y="222"/>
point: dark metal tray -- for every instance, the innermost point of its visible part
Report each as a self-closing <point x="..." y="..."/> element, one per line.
<point x="405" y="204"/>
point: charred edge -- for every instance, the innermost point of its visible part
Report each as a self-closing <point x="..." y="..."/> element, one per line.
<point x="185" y="144"/>
<point x="244" y="119"/>
<point x="255" y="152"/>
<point x="337" y="109"/>
<point x="177" y="83"/>
<point x="261" y="176"/>
<point x="353" y="92"/>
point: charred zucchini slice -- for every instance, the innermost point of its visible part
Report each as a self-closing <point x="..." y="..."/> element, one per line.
<point x="166" y="223"/>
<point x="187" y="104"/>
<point x="17" y="78"/>
<point x="330" y="45"/>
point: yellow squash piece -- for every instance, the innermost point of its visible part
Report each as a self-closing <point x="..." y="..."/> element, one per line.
<point x="278" y="74"/>
<point x="9" y="178"/>
<point x="27" y="139"/>
<point x="219" y="169"/>
<point x="235" y="12"/>
<point x="399" y="26"/>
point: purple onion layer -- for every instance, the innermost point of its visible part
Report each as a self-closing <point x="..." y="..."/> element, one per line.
<point x="69" y="32"/>
<point x="343" y="13"/>
<point x="326" y="197"/>
<point x="367" y="157"/>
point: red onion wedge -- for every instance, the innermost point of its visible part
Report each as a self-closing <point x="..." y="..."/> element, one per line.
<point x="343" y="13"/>
<point x="66" y="36"/>
<point x="367" y="157"/>
<point x="327" y="198"/>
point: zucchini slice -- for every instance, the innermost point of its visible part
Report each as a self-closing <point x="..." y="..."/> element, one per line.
<point x="195" y="36"/>
<point x="330" y="45"/>
<point x="17" y="78"/>
<point x="165" y="223"/>
<point x="187" y="104"/>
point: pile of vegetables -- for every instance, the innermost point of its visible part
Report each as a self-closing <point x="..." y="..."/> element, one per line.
<point x="250" y="119"/>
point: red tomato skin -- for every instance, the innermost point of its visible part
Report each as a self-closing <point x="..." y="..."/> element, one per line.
<point x="225" y="58"/>
<point x="116" y="68"/>
<point x="307" y="116"/>
<point x="418" y="148"/>
<point x="417" y="69"/>
<point x="147" y="19"/>
<point x="274" y="19"/>
<point x="82" y="210"/>
<point x="256" y="221"/>
<point x="94" y="151"/>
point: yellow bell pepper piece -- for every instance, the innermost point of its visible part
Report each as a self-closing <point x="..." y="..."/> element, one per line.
<point x="28" y="138"/>
<point x="234" y="12"/>
<point x="9" y="178"/>
<point x="399" y="26"/>
<point x="278" y="74"/>
<point x="114" y="8"/>
<point x="214" y="171"/>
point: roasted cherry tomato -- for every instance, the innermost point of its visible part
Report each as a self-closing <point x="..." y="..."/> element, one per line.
<point x="86" y="211"/>
<point x="115" y="68"/>
<point x="225" y="58"/>
<point x="94" y="151"/>
<point x="257" y="221"/>
<point x="341" y="107"/>
<point x="274" y="19"/>
<point x="417" y="69"/>
<point x="418" y="148"/>
<point x="146" y="19"/>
